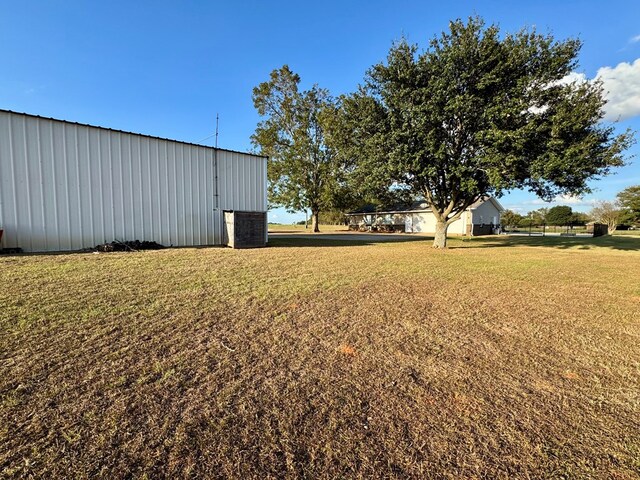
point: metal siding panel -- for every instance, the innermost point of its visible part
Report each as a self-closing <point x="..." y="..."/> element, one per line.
<point x="118" y="194"/>
<point x="97" y="188"/>
<point x="106" y="171"/>
<point x="201" y="217"/>
<point x="49" y="187"/>
<point x="8" y="217"/>
<point x="75" y="204"/>
<point x="166" y="223"/>
<point x="174" y="194"/>
<point x="87" y="185"/>
<point x="23" y="192"/>
<point x="145" y="189"/>
<point x="157" y="198"/>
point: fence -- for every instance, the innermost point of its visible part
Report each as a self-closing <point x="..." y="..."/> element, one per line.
<point x="534" y="229"/>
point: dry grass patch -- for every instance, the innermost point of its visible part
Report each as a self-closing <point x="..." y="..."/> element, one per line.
<point x="495" y="359"/>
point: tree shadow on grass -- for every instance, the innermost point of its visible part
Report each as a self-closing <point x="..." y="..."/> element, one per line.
<point x="563" y="243"/>
<point x="340" y="240"/>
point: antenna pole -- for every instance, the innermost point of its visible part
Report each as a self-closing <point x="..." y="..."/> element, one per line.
<point x="217" y="123"/>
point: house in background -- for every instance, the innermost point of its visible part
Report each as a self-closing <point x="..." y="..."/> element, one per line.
<point x="481" y="218"/>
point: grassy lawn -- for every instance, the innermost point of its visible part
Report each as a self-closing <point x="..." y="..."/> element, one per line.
<point x="277" y="227"/>
<point x="502" y="357"/>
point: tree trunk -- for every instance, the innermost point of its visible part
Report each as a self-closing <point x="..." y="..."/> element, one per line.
<point x="314" y="221"/>
<point x="440" y="240"/>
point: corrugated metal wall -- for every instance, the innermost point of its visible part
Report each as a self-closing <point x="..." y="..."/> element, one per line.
<point x="65" y="186"/>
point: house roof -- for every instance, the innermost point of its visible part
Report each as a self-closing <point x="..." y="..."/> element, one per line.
<point x="495" y="203"/>
<point x="395" y="208"/>
<point x="419" y="206"/>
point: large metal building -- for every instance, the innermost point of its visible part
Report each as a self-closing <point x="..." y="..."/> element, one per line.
<point x="69" y="186"/>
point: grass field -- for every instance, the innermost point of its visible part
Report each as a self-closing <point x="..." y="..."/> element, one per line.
<point x="498" y="358"/>
<point x="278" y="227"/>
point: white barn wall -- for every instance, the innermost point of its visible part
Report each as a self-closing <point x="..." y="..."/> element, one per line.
<point x="66" y="186"/>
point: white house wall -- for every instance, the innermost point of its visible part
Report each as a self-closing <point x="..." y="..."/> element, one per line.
<point x="425" y="222"/>
<point x="486" y="213"/>
<point x="65" y="186"/>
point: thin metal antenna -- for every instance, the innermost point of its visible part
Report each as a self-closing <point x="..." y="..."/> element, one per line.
<point x="215" y="167"/>
<point x="217" y="123"/>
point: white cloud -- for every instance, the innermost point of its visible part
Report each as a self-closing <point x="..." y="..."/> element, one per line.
<point x="621" y="86"/>
<point x="635" y="39"/>
<point x="622" y="89"/>
<point x="573" y="77"/>
<point x="564" y="200"/>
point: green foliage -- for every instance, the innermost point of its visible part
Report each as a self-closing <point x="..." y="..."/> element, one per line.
<point x="510" y="219"/>
<point x="476" y="114"/>
<point x="302" y="169"/>
<point x="538" y="217"/>
<point x="579" y="218"/>
<point x="333" y="217"/>
<point x="559" y="215"/>
<point x="629" y="200"/>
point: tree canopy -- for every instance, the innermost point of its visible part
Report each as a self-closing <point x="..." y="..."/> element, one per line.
<point x="478" y="113"/>
<point x="559" y="215"/>
<point x="510" y="219"/>
<point x="629" y="200"/>
<point x="301" y="169"/>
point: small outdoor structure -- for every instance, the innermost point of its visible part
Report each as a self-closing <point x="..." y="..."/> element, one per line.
<point x="245" y="229"/>
<point x="597" y="229"/>
<point x="481" y="218"/>
<point x="69" y="186"/>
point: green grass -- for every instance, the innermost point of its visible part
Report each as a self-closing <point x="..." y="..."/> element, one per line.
<point x="502" y="357"/>
<point x="627" y="233"/>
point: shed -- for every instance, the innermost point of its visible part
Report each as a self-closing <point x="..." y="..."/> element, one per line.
<point x="70" y="186"/>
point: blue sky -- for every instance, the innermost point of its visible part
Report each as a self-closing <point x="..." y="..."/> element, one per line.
<point x="167" y="68"/>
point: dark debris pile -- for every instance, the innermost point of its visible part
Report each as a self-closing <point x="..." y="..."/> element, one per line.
<point x="129" y="246"/>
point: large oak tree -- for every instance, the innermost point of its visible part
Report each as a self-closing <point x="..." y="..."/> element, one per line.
<point x="476" y="114"/>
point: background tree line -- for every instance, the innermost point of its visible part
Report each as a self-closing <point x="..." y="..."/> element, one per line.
<point x="624" y="211"/>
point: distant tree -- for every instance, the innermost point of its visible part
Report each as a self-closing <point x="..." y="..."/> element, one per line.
<point x="608" y="213"/>
<point x="540" y="215"/>
<point x="333" y="217"/>
<point x="579" y="218"/>
<point x="510" y="219"/>
<point x="629" y="200"/>
<point x="478" y="113"/>
<point x="302" y="169"/>
<point x="537" y="217"/>
<point x="559" y="215"/>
